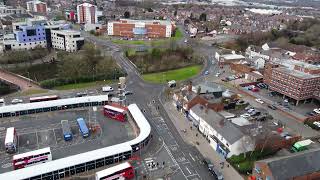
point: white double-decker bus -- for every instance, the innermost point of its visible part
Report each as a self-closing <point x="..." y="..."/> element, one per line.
<point x="10" y="141"/>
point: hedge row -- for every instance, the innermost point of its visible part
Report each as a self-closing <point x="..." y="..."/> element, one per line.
<point x="50" y="83"/>
<point x="310" y="123"/>
<point x="243" y="163"/>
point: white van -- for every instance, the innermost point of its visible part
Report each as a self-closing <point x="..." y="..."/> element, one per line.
<point x="107" y="89"/>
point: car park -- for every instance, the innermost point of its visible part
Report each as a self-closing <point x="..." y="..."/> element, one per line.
<point x="259" y="101"/>
<point x="16" y="101"/>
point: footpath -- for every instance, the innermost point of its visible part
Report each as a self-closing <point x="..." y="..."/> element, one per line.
<point x="194" y="137"/>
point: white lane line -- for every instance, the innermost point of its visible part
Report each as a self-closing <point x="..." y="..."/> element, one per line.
<point x="188" y="170"/>
<point x="37" y="139"/>
<point x="174" y="160"/>
<point x="55" y="137"/>
<point x="191" y="156"/>
<point x="147" y="159"/>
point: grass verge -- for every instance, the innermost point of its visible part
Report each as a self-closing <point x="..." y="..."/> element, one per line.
<point x="177" y="74"/>
<point x="83" y="85"/>
<point x="33" y="91"/>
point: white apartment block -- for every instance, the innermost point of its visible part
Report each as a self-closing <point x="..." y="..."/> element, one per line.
<point x="66" y="40"/>
<point x="87" y="13"/>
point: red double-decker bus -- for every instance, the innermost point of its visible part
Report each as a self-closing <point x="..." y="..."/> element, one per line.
<point x="43" y="98"/>
<point x="115" y="112"/>
<point x="120" y="171"/>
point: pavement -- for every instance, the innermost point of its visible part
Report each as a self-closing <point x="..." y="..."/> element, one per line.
<point x="23" y="82"/>
<point x="194" y="137"/>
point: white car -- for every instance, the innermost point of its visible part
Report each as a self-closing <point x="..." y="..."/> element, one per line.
<point x="107" y="89"/>
<point x="246" y="115"/>
<point x="218" y="74"/>
<point x="259" y="101"/>
<point x="317" y="111"/>
<point x="317" y="123"/>
<point x="16" y="101"/>
<point x="250" y="110"/>
<point x="172" y="83"/>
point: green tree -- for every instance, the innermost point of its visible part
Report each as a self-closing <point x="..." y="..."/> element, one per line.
<point x="175" y="13"/>
<point x="127" y="14"/>
<point x="203" y="17"/>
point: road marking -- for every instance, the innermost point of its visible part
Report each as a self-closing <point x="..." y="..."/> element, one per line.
<point x="55" y="137"/>
<point x="191" y="156"/>
<point x="188" y="170"/>
<point x="7" y="165"/>
<point x="37" y="139"/>
<point x="147" y="159"/>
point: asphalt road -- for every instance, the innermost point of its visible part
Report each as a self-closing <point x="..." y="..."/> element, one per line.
<point x="186" y="158"/>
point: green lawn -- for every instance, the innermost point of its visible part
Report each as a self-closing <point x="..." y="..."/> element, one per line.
<point x="134" y="42"/>
<point x="33" y="91"/>
<point x="83" y="85"/>
<point x="177" y="74"/>
<point x="157" y="42"/>
<point x="178" y="34"/>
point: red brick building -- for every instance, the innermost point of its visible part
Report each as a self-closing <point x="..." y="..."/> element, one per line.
<point x="144" y="28"/>
<point x="87" y="13"/>
<point x="37" y="6"/>
<point x="297" y="80"/>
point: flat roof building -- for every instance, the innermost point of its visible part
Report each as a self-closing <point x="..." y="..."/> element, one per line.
<point x="87" y="13"/>
<point x="67" y="40"/>
<point x="294" y="79"/>
<point x="37" y="6"/>
<point x="145" y="28"/>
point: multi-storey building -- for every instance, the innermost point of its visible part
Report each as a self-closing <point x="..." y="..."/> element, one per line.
<point x="26" y="37"/>
<point x="67" y="40"/>
<point x="7" y="10"/>
<point x="294" y="79"/>
<point x="37" y="6"/>
<point x="145" y="28"/>
<point x="87" y="13"/>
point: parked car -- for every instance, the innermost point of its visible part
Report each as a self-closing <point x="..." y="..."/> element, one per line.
<point x="250" y="110"/>
<point x="107" y="89"/>
<point x="206" y="72"/>
<point x="316" y="123"/>
<point x="259" y="101"/>
<point x="128" y="92"/>
<point x="218" y="74"/>
<point x="255" y="113"/>
<point x="255" y="90"/>
<point x="80" y="94"/>
<point x="172" y="83"/>
<point x="273" y="107"/>
<point x="311" y="113"/>
<point x="248" y="107"/>
<point x="16" y="101"/>
<point x="246" y="115"/>
<point x="261" y="118"/>
<point x="208" y="164"/>
<point x="317" y="111"/>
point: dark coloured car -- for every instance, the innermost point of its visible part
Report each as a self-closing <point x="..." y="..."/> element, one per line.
<point x="208" y="164"/>
<point x="272" y="107"/>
